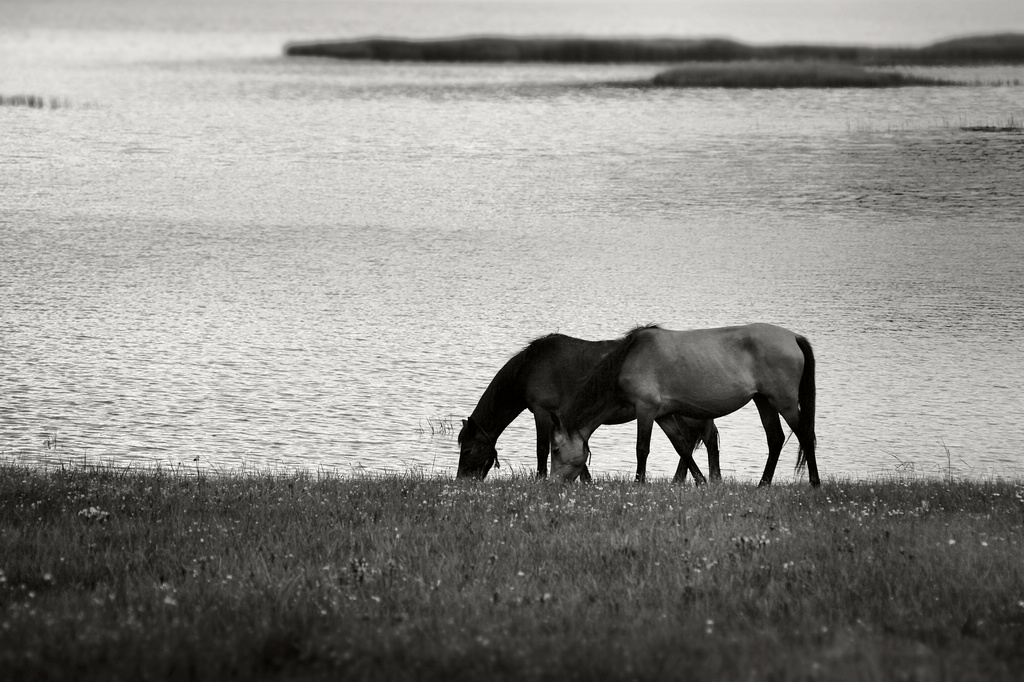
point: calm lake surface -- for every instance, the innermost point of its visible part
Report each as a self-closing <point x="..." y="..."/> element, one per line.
<point x="211" y="251"/>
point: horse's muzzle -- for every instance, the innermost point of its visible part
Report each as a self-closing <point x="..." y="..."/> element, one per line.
<point x="565" y="473"/>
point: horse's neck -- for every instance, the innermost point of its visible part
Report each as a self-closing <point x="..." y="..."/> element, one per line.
<point x="585" y="420"/>
<point x="500" y="404"/>
<point x="596" y="401"/>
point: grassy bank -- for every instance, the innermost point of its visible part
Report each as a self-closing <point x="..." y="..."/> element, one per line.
<point x="118" y="574"/>
<point x="990" y="49"/>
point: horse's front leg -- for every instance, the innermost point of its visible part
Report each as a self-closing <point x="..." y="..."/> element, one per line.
<point x="542" y="420"/>
<point x="644" y="426"/>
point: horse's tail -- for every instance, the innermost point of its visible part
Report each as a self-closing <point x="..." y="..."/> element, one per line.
<point x="806" y="401"/>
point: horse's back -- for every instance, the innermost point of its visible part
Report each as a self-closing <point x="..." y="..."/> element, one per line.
<point x="757" y="340"/>
<point x="706" y="373"/>
<point x="556" y="366"/>
<point x="727" y="343"/>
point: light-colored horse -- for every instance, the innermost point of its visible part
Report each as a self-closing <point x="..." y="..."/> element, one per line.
<point x="654" y="375"/>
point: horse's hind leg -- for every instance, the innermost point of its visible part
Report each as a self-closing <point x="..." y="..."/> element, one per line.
<point x="807" y="446"/>
<point x="805" y="434"/>
<point x="776" y="436"/>
<point x="684" y="439"/>
<point x="711" y="443"/>
<point x="803" y="429"/>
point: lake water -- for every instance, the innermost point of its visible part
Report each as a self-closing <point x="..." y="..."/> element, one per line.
<point x="214" y="252"/>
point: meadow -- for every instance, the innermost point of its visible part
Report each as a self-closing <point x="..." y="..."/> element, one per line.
<point x="115" y="574"/>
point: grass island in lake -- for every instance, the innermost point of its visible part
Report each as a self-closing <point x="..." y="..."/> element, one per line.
<point x="705" y="63"/>
<point x="994" y="49"/>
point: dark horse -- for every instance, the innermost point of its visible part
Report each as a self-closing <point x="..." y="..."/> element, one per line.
<point x="654" y="373"/>
<point x="540" y="378"/>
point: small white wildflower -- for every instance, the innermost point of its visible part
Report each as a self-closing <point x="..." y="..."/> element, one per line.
<point x="94" y="514"/>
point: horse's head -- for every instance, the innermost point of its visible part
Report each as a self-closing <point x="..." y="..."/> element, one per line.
<point x="477" y="453"/>
<point x="569" y="452"/>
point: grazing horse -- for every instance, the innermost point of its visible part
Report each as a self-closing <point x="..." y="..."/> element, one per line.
<point x="541" y="377"/>
<point x="654" y="373"/>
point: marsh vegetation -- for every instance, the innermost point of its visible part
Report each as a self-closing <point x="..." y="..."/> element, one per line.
<point x="111" y="573"/>
<point x="34" y="102"/>
<point x="787" y="74"/>
<point x="974" y="50"/>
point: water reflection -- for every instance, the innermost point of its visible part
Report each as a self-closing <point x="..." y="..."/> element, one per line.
<point x="300" y="267"/>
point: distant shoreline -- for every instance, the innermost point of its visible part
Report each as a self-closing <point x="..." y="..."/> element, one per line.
<point x="1007" y="48"/>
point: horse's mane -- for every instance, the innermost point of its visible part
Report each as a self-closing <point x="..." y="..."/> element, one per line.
<point x="504" y="393"/>
<point x="504" y="381"/>
<point x="592" y="394"/>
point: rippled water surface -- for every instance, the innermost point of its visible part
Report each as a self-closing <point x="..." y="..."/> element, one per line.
<point x="217" y="252"/>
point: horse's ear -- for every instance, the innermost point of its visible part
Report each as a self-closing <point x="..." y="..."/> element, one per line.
<point x="556" y="423"/>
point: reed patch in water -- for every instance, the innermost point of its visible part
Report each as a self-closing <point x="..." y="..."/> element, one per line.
<point x="1010" y="125"/>
<point x="441" y="426"/>
<point x="34" y="102"/>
